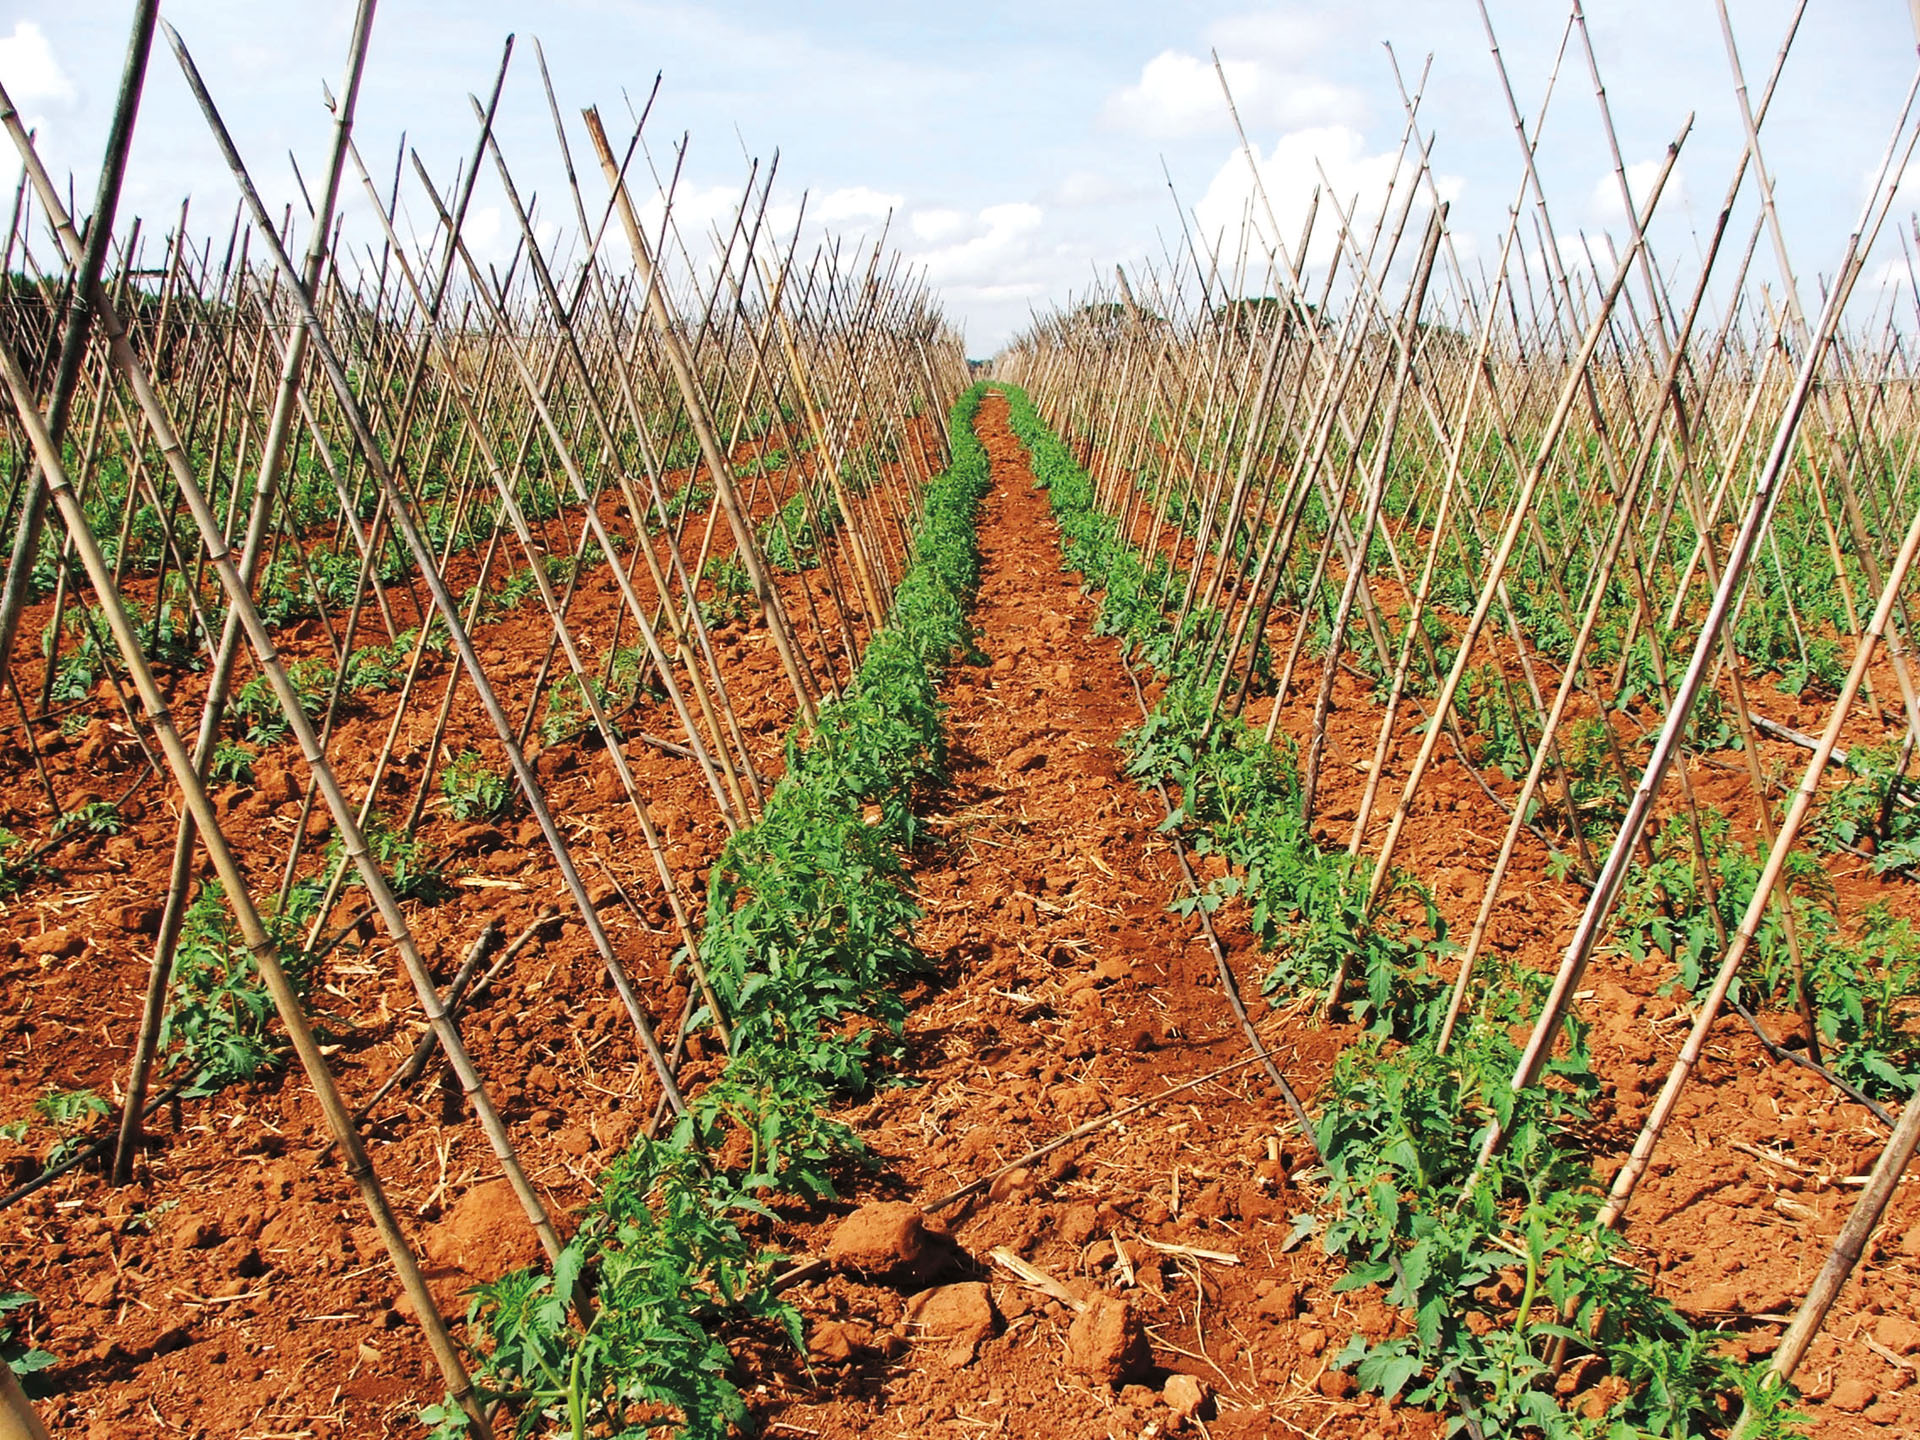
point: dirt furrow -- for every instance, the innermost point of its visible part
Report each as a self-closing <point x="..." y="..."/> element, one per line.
<point x="1067" y="990"/>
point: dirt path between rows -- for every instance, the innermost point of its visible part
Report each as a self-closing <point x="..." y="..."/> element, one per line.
<point x="1067" y="990"/>
<point x="237" y="1290"/>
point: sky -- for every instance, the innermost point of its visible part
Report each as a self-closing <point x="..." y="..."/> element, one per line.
<point x="1014" y="153"/>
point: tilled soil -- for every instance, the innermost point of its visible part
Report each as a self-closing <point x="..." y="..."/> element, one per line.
<point x="1068" y="991"/>
<point x="237" y="1290"/>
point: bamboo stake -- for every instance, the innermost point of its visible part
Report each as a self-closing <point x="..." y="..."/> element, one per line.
<point x="279" y="427"/>
<point x="1613" y="874"/>
<point x="680" y="363"/>
<point x="73" y="342"/>
<point x="1518" y="511"/>
<point x="259" y="941"/>
<point x="463" y="644"/>
<point x="17" y="1418"/>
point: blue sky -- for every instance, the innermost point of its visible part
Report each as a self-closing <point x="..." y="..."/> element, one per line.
<point x="1018" y="147"/>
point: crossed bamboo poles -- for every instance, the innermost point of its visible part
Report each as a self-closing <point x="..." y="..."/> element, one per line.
<point x="404" y="409"/>
<point x="1412" y="448"/>
<point x="1275" y="451"/>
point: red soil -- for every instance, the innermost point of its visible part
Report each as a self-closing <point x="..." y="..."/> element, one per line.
<point x="235" y="1289"/>
<point x="1065" y="972"/>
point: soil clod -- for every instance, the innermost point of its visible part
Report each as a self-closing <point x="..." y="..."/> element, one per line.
<point x="1107" y="1343"/>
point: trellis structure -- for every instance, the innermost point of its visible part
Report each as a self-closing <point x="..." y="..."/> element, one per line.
<point x="1577" y="533"/>
<point x="275" y="490"/>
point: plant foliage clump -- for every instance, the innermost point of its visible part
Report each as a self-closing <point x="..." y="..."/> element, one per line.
<point x="809" y="926"/>
<point x="1494" y="1265"/>
<point x="219" y="1013"/>
<point x="473" y="790"/>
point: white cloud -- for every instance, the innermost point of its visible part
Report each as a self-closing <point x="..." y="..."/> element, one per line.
<point x="1086" y="188"/>
<point x="484" y="233"/>
<point x="1017" y="215"/>
<point x="854" y="202"/>
<point x="1178" y="96"/>
<point x="986" y="249"/>
<point x="938" y="226"/>
<point x="1291" y="170"/>
<point x="1000" y="294"/>
<point x="696" y="209"/>
<point x="1609" y="209"/>
<point x="28" y="67"/>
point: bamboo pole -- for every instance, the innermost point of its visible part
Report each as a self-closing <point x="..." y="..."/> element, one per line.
<point x="463" y="644"/>
<point x="79" y="326"/>
<point x="17" y="1418"/>
<point x="1607" y="885"/>
<point x="273" y="453"/>
<point x="233" y="881"/>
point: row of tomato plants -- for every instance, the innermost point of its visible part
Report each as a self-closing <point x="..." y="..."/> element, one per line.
<point x="1496" y="1271"/>
<point x="807" y="937"/>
